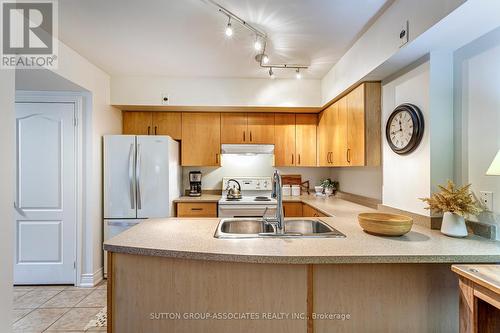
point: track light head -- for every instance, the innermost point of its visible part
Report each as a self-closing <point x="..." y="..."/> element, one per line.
<point x="297" y="74"/>
<point x="271" y="73"/>
<point x="229" y="28"/>
<point x="258" y="44"/>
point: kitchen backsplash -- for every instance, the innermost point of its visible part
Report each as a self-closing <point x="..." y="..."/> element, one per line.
<point x="249" y="165"/>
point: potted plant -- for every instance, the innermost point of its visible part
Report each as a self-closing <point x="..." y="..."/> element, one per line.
<point x="330" y="186"/>
<point x="456" y="204"/>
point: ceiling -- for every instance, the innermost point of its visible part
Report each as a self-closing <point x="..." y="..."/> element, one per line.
<point x="185" y="38"/>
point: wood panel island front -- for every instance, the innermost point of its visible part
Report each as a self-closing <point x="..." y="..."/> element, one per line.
<point x="172" y="275"/>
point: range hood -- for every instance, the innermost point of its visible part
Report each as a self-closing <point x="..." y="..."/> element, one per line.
<point x="247" y="149"/>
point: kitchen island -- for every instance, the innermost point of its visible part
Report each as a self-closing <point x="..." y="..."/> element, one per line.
<point x="195" y="282"/>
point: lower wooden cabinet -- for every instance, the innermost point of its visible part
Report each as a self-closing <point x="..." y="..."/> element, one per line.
<point x="308" y="211"/>
<point x="292" y="209"/>
<point x="299" y="209"/>
<point x="196" y="209"/>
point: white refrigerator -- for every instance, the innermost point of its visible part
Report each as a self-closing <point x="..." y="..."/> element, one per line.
<point x="142" y="177"/>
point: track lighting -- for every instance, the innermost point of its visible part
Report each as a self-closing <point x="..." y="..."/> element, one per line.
<point x="257" y="45"/>
<point x="271" y="73"/>
<point x="229" y="28"/>
<point x="260" y="43"/>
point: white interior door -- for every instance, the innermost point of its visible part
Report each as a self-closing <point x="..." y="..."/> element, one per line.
<point x="46" y="195"/>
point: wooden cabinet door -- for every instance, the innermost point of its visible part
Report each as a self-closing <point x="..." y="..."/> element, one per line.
<point x="234" y="128"/>
<point x="167" y="123"/>
<point x="340" y="134"/>
<point x="305" y="139"/>
<point x="292" y="209"/>
<point x="284" y="140"/>
<point x="308" y="211"/>
<point x="137" y="123"/>
<point x="326" y="136"/>
<point x="196" y="209"/>
<point x="200" y="139"/>
<point x="261" y="128"/>
<point x="355" y="154"/>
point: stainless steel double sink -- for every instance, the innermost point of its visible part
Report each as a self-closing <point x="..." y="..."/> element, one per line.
<point x="236" y="228"/>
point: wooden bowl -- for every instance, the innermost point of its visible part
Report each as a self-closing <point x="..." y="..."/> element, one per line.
<point x="385" y="224"/>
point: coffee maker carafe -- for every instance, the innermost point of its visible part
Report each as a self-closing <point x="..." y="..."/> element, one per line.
<point x="195" y="183"/>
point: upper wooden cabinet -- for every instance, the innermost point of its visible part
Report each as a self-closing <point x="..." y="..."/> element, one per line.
<point x="234" y="128"/>
<point x="295" y="139"/>
<point x="285" y="139"/>
<point x="328" y="140"/>
<point x="201" y="139"/>
<point x="349" y="132"/>
<point x="137" y="122"/>
<point x="168" y="123"/>
<point x="305" y="139"/>
<point x="247" y="128"/>
<point x="152" y="123"/>
<point x="260" y="127"/>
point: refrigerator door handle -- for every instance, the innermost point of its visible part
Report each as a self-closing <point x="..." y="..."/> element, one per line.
<point x="131" y="175"/>
<point x="138" y="176"/>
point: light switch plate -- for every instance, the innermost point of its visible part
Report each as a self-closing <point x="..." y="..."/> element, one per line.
<point x="403" y="33"/>
<point x="165" y="99"/>
<point x="487" y="199"/>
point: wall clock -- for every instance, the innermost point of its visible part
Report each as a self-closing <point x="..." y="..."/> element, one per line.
<point x="405" y="128"/>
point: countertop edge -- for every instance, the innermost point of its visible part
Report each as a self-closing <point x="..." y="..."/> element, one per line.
<point x="304" y="260"/>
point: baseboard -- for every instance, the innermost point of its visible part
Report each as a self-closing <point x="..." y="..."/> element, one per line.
<point x="485" y="230"/>
<point x="359" y="199"/>
<point x="426" y="221"/>
<point x="91" y="279"/>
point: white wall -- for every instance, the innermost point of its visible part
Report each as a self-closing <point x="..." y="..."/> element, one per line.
<point x="381" y="41"/>
<point x="147" y="90"/>
<point x="7" y="137"/>
<point x="364" y="181"/>
<point x="101" y="119"/>
<point x="407" y="177"/>
<point x="253" y="165"/>
<point x="477" y="116"/>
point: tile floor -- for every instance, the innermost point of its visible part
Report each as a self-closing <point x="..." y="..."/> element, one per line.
<point x="57" y="308"/>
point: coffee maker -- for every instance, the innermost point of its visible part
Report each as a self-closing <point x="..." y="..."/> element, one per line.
<point x="195" y="183"/>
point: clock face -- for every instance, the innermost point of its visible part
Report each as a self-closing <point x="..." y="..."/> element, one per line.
<point x="404" y="129"/>
<point x="401" y="129"/>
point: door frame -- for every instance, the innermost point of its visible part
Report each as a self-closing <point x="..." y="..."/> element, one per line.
<point x="75" y="98"/>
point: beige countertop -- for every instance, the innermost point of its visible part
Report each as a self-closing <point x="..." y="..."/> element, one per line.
<point x="191" y="238"/>
<point x="202" y="198"/>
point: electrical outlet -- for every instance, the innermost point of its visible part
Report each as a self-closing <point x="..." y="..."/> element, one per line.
<point x="487" y="199"/>
<point x="404" y="33"/>
<point x="165" y="99"/>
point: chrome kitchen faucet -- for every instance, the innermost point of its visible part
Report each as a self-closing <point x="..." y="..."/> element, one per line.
<point x="278" y="221"/>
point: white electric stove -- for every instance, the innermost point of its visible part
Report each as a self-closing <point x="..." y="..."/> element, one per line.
<point x="255" y="201"/>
